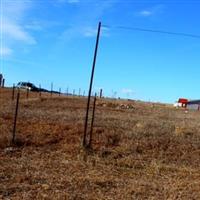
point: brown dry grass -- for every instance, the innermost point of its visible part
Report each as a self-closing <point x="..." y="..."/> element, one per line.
<point x="140" y="151"/>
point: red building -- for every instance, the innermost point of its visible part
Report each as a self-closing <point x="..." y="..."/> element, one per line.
<point x="183" y="102"/>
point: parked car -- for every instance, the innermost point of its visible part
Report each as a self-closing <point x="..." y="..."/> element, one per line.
<point x="31" y="87"/>
<point x="27" y="86"/>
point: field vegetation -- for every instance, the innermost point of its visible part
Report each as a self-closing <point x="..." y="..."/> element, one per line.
<point x="139" y="150"/>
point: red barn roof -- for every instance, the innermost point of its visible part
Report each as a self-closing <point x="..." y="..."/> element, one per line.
<point x="182" y="100"/>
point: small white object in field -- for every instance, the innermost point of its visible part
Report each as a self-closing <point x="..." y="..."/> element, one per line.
<point x="177" y="105"/>
<point x="186" y="111"/>
<point x="8" y="149"/>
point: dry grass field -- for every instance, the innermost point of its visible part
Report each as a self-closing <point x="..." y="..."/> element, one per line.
<point x="140" y="150"/>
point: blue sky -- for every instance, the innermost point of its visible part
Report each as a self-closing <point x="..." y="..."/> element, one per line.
<point x="46" y="41"/>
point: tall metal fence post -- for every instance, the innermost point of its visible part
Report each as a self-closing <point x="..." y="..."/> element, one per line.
<point x="27" y="93"/>
<point x="67" y="91"/>
<point x="13" y="92"/>
<point x="59" y="92"/>
<point x="90" y="87"/>
<point x="92" y="123"/>
<point x="79" y="92"/>
<point x="101" y="93"/>
<point x="40" y="92"/>
<point x="15" y="118"/>
<point x="51" y="89"/>
<point x="1" y="79"/>
<point x="3" y="83"/>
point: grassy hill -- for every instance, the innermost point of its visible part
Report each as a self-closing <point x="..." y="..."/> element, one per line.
<point x="140" y="150"/>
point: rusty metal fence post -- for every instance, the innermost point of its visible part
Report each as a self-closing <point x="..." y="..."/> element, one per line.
<point x="90" y="87"/>
<point x="51" y="89"/>
<point x="1" y="79"/>
<point x="27" y="93"/>
<point x="13" y="92"/>
<point x="79" y="92"/>
<point x="101" y="93"/>
<point x="3" y="83"/>
<point x="92" y="123"/>
<point x="59" y="92"/>
<point x="40" y="92"/>
<point x="15" y="118"/>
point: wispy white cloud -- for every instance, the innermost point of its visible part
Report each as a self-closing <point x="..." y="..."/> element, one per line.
<point x="148" y="12"/>
<point x="34" y="26"/>
<point x="14" y="10"/>
<point x="83" y="31"/>
<point x="145" y="13"/>
<point x="14" y="31"/>
<point x="89" y="32"/>
<point x="82" y="22"/>
<point x="5" y="51"/>
<point x="12" y="28"/>
<point x="92" y="31"/>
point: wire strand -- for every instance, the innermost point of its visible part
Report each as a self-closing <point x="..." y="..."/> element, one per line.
<point x="153" y="31"/>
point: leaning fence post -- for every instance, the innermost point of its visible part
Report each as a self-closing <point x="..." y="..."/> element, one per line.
<point x="3" y="83"/>
<point x="40" y="92"/>
<point x="90" y="87"/>
<point x="1" y="79"/>
<point x="27" y="93"/>
<point x="13" y="92"/>
<point x="51" y="89"/>
<point x="59" y="91"/>
<point x="92" y="123"/>
<point x="101" y="93"/>
<point x="15" y="118"/>
<point x="79" y="92"/>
